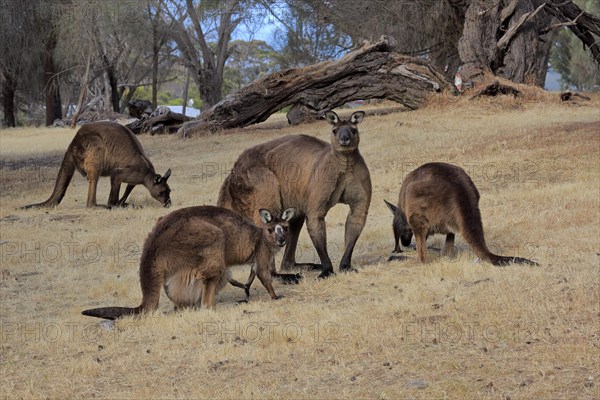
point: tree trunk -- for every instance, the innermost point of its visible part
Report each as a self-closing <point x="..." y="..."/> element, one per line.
<point x="185" y="91"/>
<point x="113" y="84"/>
<point x="372" y="71"/>
<point x="155" y="51"/>
<point x="502" y="37"/>
<point x="51" y="87"/>
<point x="84" y="84"/>
<point x="127" y="99"/>
<point x="8" y="101"/>
<point x="209" y="85"/>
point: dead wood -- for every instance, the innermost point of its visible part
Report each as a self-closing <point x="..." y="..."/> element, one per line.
<point x="371" y="71"/>
<point x="569" y="96"/>
<point x="495" y="88"/>
<point x="161" y="121"/>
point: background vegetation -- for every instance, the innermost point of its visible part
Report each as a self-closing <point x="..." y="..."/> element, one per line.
<point x="58" y="55"/>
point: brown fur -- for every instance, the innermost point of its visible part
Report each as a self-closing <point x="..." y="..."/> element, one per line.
<point x="441" y="198"/>
<point x="189" y="251"/>
<point x="108" y="149"/>
<point x="311" y="176"/>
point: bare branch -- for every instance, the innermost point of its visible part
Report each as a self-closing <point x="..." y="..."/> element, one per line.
<point x="547" y="29"/>
<point x="147" y="83"/>
<point x="507" y="37"/>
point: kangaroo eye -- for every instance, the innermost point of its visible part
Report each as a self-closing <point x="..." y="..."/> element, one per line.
<point x="270" y="230"/>
<point x="335" y="131"/>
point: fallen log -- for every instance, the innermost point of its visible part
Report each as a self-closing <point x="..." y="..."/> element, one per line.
<point x="495" y="88"/>
<point x="569" y="96"/>
<point x="371" y="71"/>
<point x="161" y="121"/>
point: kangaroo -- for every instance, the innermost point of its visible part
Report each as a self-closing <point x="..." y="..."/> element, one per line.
<point x="311" y="176"/>
<point x="441" y="198"/>
<point x="108" y="149"/>
<point x="189" y="253"/>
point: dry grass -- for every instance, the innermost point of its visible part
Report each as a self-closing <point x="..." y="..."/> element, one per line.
<point x="451" y="328"/>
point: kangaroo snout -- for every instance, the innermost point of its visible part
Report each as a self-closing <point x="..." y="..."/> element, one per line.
<point x="344" y="138"/>
<point x="345" y="141"/>
<point x="167" y="203"/>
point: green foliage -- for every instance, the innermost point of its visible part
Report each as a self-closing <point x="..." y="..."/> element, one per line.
<point x="248" y="62"/>
<point x="168" y="97"/>
<point x="306" y="37"/>
<point x="574" y="63"/>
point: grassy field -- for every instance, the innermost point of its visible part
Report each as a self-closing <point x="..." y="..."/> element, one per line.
<point x="452" y="328"/>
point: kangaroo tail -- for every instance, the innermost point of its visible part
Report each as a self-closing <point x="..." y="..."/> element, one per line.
<point x="502" y="261"/>
<point x="111" y="313"/>
<point x="473" y="234"/>
<point x="65" y="173"/>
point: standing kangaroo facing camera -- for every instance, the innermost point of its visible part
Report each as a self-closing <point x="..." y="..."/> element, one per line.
<point x="108" y="149"/>
<point x="310" y="175"/>
<point x="189" y="253"/>
<point x="441" y="198"/>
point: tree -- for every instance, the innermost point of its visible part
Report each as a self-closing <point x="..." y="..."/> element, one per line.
<point x="202" y="31"/>
<point x="129" y="45"/>
<point x="371" y="71"/>
<point x="508" y="38"/>
<point x="46" y="22"/>
<point x="14" y="22"/>
<point x="249" y="60"/>
<point x="569" y="58"/>
<point x="27" y="65"/>
<point x="303" y="36"/>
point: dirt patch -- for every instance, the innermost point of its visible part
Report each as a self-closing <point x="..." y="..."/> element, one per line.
<point x="17" y="175"/>
<point x="46" y="161"/>
<point x="37" y="219"/>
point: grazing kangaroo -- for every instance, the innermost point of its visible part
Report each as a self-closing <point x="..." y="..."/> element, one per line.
<point x="189" y="252"/>
<point x="441" y="198"/>
<point x="108" y="149"/>
<point x="311" y="176"/>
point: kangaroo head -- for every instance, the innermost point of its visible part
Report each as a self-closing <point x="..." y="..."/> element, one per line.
<point x="400" y="225"/>
<point x="344" y="134"/>
<point x="276" y="228"/>
<point x="160" y="189"/>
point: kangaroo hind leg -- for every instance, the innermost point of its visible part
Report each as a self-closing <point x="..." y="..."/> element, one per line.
<point x="211" y="269"/>
<point x="449" y="249"/>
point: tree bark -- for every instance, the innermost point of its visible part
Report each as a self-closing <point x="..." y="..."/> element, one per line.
<point x="155" y="51"/>
<point x="584" y="25"/>
<point x="502" y="37"/>
<point x="8" y="101"/>
<point x="185" y="91"/>
<point x="83" y="89"/>
<point x="51" y="87"/>
<point x="113" y="94"/>
<point x="372" y="71"/>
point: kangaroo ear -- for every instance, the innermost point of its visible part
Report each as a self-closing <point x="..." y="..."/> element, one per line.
<point x="166" y="175"/>
<point x="357" y="117"/>
<point x="265" y="215"/>
<point x="392" y="207"/>
<point x="332" y="117"/>
<point x="157" y="179"/>
<point x="288" y="214"/>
